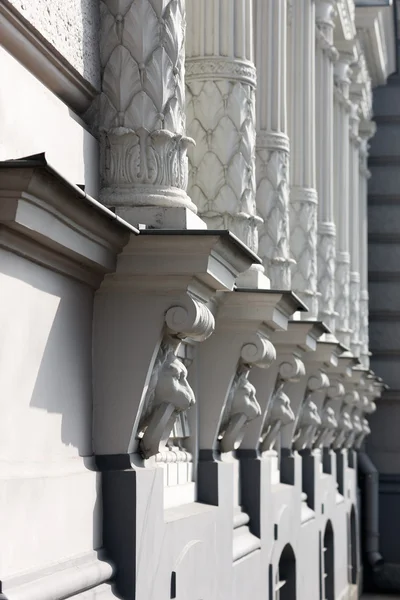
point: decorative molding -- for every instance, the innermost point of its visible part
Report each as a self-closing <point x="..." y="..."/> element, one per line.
<point x="222" y="164"/>
<point x="142" y="119"/>
<point x="346" y="11"/>
<point x="272" y="166"/>
<point x="64" y="579"/>
<point x="220" y="67"/>
<point x="37" y="55"/>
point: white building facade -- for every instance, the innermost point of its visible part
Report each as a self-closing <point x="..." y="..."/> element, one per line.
<point x="184" y="356"/>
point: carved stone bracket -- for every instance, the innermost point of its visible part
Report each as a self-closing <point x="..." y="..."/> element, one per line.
<point x="280" y="412"/>
<point x="169" y="392"/>
<point x="329" y="424"/>
<point x="242" y="406"/>
<point x="309" y="420"/>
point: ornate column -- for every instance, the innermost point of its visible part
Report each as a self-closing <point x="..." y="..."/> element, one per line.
<point x="303" y="195"/>
<point x="221" y="81"/>
<point x="367" y="130"/>
<point x="326" y="55"/>
<point x="272" y="151"/>
<point x="354" y="213"/>
<point x="341" y="197"/>
<point x="142" y="109"/>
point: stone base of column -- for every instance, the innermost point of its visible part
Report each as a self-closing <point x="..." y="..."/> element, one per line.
<point x="161" y="217"/>
<point x="254" y="279"/>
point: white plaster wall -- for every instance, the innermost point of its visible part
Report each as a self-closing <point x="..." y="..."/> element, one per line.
<point x="48" y="498"/>
<point x="33" y="120"/>
<point x="72" y="27"/>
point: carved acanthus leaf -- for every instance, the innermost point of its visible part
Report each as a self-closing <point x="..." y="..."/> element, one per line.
<point x="142" y="102"/>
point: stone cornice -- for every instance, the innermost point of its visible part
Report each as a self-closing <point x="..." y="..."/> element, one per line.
<point x="54" y="223"/>
<point x="346" y="12"/>
<point x="216" y="67"/>
<point x="37" y="55"/>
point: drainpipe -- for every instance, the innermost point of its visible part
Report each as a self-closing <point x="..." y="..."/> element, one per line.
<point x="371" y="497"/>
<point x="385" y="576"/>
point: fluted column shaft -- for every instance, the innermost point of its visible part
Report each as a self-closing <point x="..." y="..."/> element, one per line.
<point x="142" y="104"/>
<point x="354" y="225"/>
<point x="341" y="199"/>
<point x="272" y="151"/>
<point x="367" y="130"/>
<point x="303" y="195"/>
<point x="326" y="55"/>
<point x="221" y="81"/>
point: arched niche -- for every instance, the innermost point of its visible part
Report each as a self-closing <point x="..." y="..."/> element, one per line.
<point x="352" y="545"/>
<point x="328" y="562"/>
<point x="284" y="587"/>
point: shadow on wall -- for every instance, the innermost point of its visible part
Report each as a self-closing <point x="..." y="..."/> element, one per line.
<point x="49" y="320"/>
